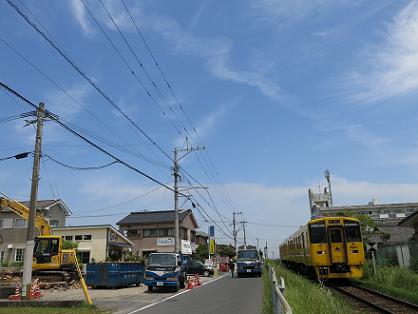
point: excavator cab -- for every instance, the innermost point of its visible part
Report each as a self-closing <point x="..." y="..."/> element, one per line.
<point x="47" y="251"/>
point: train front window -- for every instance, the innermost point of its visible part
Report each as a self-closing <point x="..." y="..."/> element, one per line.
<point x="335" y="235"/>
<point x="317" y="233"/>
<point x="352" y="231"/>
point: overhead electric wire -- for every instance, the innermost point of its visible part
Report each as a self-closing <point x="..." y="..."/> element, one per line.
<point x="79" y="168"/>
<point x="124" y="202"/>
<point x="56" y="119"/>
<point x="17" y="116"/>
<point x="138" y="153"/>
<point x="141" y="65"/>
<point x="87" y="78"/>
<point x="222" y="187"/>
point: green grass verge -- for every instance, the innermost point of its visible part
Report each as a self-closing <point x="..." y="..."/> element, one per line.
<point x="395" y="281"/>
<point x="83" y="309"/>
<point x="267" y="296"/>
<point x="304" y="296"/>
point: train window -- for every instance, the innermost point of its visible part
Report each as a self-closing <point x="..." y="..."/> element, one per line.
<point x="352" y="232"/>
<point x="317" y="233"/>
<point x="335" y="235"/>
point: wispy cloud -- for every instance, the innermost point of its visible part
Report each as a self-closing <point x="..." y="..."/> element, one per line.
<point x="80" y="14"/>
<point x="391" y="67"/>
<point x="63" y="105"/>
<point x="356" y="133"/>
<point x="215" y="51"/>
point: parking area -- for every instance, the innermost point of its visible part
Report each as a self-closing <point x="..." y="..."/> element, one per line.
<point x="119" y="301"/>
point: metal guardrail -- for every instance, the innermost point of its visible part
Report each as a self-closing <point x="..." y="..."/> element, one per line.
<point x="280" y="304"/>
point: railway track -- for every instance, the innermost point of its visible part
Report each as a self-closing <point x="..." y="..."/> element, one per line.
<point x="376" y="301"/>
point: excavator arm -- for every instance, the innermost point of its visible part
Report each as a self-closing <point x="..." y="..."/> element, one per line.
<point x="40" y="222"/>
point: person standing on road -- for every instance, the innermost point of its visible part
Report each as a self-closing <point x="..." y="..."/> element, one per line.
<point x="231" y="266"/>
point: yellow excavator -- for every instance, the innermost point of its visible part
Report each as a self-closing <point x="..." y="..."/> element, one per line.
<point x="50" y="260"/>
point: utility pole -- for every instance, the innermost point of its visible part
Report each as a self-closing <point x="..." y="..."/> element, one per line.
<point x="176" y="169"/>
<point x="234" y="231"/>
<point x="257" y="242"/>
<point x="30" y="233"/>
<point x="245" y="238"/>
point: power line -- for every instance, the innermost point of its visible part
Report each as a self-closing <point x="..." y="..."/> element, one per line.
<point x="222" y="188"/>
<point x="124" y="202"/>
<point x="17" y="116"/>
<point x="87" y="78"/>
<point x="56" y="119"/>
<point x="80" y="168"/>
<point x="141" y="65"/>
<point x="138" y="154"/>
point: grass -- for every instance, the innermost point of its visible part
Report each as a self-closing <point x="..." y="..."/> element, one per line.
<point x="84" y="309"/>
<point x="395" y="281"/>
<point x="305" y="297"/>
<point x="267" y="296"/>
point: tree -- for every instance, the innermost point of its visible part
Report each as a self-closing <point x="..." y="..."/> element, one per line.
<point x="225" y="250"/>
<point x="201" y="252"/>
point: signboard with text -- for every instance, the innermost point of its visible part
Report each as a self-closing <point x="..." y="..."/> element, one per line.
<point x="165" y="241"/>
<point x="186" y="247"/>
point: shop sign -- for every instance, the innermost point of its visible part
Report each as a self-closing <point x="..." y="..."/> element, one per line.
<point x="165" y="241"/>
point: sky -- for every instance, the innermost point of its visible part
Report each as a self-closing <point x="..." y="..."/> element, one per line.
<point x="277" y="91"/>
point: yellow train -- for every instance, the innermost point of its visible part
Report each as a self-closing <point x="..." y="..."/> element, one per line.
<point x="326" y="247"/>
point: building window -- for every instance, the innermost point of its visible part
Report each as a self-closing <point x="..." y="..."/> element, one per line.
<point x="133" y="232"/>
<point x="54" y="222"/>
<point x="69" y="238"/>
<point x="84" y="256"/>
<point x="166" y="232"/>
<point x="87" y="237"/>
<point x="150" y="233"/>
<point x="19" y="255"/>
<point x="20" y="223"/>
<point x="78" y="237"/>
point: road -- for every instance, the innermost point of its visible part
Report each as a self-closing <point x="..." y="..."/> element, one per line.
<point x="224" y="296"/>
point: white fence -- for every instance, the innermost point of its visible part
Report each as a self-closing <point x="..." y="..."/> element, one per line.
<point x="280" y="304"/>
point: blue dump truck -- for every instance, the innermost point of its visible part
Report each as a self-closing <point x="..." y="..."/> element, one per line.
<point x="249" y="262"/>
<point x="165" y="270"/>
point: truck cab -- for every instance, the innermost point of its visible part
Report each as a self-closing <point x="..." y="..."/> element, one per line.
<point x="249" y="262"/>
<point x="165" y="270"/>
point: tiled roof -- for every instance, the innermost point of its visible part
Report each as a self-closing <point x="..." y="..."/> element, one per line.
<point x="397" y="235"/>
<point x="150" y="217"/>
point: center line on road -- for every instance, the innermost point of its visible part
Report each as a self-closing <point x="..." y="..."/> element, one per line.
<point x="173" y="296"/>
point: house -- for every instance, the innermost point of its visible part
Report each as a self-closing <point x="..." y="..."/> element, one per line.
<point x="411" y="222"/>
<point x="96" y="243"/>
<point x="13" y="227"/>
<point x="153" y="231"/>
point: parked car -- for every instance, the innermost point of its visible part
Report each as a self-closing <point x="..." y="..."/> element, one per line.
<point x="197" y="267"/>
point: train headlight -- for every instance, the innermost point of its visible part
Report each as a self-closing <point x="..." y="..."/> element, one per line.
<point x="320" y="252"/>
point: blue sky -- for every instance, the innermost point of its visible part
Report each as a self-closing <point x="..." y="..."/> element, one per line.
<point x="278" y="91"/>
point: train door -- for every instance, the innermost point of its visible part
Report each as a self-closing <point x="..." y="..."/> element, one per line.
<point x="336" y="245"/>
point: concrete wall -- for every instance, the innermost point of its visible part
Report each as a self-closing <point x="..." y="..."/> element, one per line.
<point x="96" y="246"/>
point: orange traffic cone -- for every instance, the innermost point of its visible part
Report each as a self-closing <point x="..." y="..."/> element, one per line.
<point x="17" y="296"/>
<point x="197" y="280"/>
<point x="190" y="283"/>
<point x="38" y="292"/>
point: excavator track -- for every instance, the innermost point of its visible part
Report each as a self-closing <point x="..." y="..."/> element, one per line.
<point x="54" y="276"/>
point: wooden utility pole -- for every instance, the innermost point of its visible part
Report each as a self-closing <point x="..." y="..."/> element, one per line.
<point x="176" y="174"/>
<point x="30" y="233"/>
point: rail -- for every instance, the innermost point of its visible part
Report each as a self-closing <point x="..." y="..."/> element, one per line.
<point x="381" y="302"/>
<point x="280" y="304"/>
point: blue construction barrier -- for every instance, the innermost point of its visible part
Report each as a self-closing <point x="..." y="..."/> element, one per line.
<point x="114" y="275"/>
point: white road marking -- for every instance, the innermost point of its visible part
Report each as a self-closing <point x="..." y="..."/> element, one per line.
<point x="173" y="296"/>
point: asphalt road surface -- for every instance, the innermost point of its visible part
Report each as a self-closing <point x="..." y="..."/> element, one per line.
<point x="224" y="296"/>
